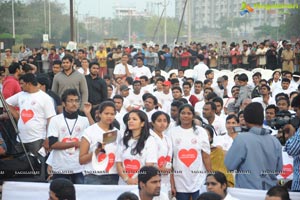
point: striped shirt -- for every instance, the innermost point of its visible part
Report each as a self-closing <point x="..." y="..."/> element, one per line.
<point x="292" y="147"/>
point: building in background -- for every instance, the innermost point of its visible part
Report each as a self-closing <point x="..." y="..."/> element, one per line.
<point x="214" y="13"/>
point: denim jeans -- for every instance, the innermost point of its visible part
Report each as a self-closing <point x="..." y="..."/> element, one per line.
<point x="75" y="178"/>
<point x="187" y="196"/>
<point x="110" y="179"/>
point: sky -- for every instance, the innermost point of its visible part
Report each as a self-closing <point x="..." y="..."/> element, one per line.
<point x="104" y="8"/>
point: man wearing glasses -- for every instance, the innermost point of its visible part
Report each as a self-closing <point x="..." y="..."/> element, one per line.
<point x="64" y="133"/>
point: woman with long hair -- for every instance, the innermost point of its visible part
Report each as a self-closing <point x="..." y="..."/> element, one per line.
<point x="136" y="149"/>
<point x="97" y="157"/>
<point x="217" y="156"/>
<point x="160" y="122"/>
<point x="191" y="159"/>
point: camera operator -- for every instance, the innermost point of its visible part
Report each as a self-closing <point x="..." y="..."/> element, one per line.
<point x="292" y="145"/>
<point x="255" y="154"/>
<point x="270" y="115"/>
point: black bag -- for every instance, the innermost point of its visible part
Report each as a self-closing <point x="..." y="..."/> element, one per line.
<point x="19" y="167"/>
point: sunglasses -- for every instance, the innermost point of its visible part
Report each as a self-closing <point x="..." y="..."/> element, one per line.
<point x="211" y="183"/>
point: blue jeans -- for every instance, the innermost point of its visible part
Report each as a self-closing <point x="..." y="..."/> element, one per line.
<point x="187" y="196"/>
<point x="75" y="178"/>
<point x="110" y="179"/>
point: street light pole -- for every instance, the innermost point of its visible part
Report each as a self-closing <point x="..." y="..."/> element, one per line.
<point x="49" y="18"/>
<point x="13" y="18"/>
<point x="129" y="26"/>
<point x="45" y="17"/>
<point x="165" y="25"/>
<point x="71" y="21"/>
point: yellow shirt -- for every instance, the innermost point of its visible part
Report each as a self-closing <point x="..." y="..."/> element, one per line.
<point x="288" y="65"/>
<point x="217" y="156"/>
<point x="101" y="56"/>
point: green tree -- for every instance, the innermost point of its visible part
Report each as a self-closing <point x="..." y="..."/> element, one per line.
<point x="291" y="26"/>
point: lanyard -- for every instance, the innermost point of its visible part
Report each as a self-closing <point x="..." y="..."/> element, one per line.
<point x="70" y="131"/>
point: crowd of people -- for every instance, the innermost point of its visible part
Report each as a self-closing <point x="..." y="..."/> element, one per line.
<point x="101" y="116"/>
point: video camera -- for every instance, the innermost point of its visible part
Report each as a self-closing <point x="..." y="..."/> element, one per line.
<point x="281" y="119"/>
<point x="238" y="129"/>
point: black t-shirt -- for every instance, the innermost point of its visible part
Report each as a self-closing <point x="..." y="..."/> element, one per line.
<point x="110" y="63"/>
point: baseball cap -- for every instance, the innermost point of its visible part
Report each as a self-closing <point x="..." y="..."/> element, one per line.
<point x="167" y="83"/>
<point x="124" y="87"/>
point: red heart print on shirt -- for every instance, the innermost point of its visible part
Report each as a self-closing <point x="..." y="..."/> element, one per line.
<point x="111" y="161"/>
<point x="163" y="160"/>
<point x="187" y="156"/>
<point x="101" y="157"/>
<point x="67" y="139"/>
<point x="131" y="167"/>
<point x="26" y="115"/>
<point x="287" y="170"/>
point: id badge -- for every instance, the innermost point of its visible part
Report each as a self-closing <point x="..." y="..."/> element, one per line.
<point x="70" y="150"/>
<point x="168" y="165"/>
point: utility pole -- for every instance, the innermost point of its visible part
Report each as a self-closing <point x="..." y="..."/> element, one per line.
<point x="49" y="19"/>
<point x="165" y="26"/>
<point x="129" y="26"/>
<point x="45" y="17"/>
<point x="13" y="18"/>
<point x="71" y="21"/>
<point x="189" y="22"/>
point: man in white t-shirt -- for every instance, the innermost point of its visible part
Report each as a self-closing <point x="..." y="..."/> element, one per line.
<point x="123" y="69"/>
<point x="150" y="105"/>
<point x="149" y="184"/>
<point x="265" y="99"/>
<point x="200" y="68"/>
<point x="210" y="117"/>
<point x="165" y="97"/>
<point x="36" y="109"/>
<point x="121" y="111"/>
<point x="140" y="69"/>
<point x="134" y="99"/>
<point x="198" y="90"/>
<point x="285" y="84"/>
<point x="65" y="131"/>
<point x="146" y="87"/>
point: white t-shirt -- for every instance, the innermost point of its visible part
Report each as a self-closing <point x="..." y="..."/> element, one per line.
<point x="66" y="161"/>
<point x="133" y="163"/>
<point x="35" y="109"/>
<point x="150" y="113"/>
<point x="199" y="71"/>
<point x="260" y="100"/>
<point x="280" y="90"/>
<point x="134" y="100"/>
<point x="189" y="169"/>
<point x="199" y="108"/>
<point x="225" y="141"/>
<point x="275" y="85"/>
<point x="164" y="154"/>
<point x="137" y="72"/>
<point x="164" y="100"/>
<point x="120" y="69"/>
<point x="199" y="96"/>
<point x="104" y="162"/>
<point x="119" y="117"/>
<point x="147" y="89"/>
<point x="218" y="124"/>
<point x="81" y="70"/>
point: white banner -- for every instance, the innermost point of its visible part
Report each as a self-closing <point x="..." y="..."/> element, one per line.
<point x="29" y="191"/>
